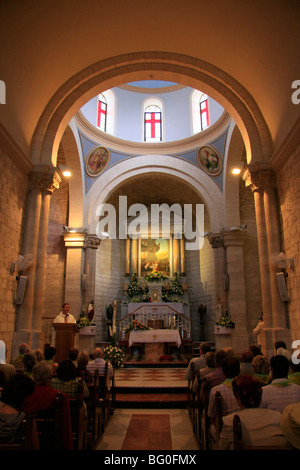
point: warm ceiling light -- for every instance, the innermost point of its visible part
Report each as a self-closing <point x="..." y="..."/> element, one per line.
<point x="65" y="171"/>
<point x="236" y="171"/>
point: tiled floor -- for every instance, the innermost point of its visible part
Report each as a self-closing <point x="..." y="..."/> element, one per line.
<point x="182" y="437"/>
<point x="178" y="422"/>
<point x="146" y="377"/>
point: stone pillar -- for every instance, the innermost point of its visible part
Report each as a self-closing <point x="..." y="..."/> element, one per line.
<point x="261" y="180"/>
<point x="175" y="255"/>
<point x="134" y="256"/>
<point x="127" y="261"/>
<point x="42" y="183"/>
<point x="91" y="244"/>
<point x="234" y="244"/>
<point x="182" y="256"/>
<point x="74" y="243"/>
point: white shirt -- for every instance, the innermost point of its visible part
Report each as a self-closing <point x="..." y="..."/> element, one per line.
<point x="61" y="318"/>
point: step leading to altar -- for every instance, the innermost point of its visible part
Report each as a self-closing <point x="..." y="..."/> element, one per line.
<point x="150" y="388"/>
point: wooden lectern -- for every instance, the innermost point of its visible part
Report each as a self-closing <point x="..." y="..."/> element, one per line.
<point x="64" y="339"/>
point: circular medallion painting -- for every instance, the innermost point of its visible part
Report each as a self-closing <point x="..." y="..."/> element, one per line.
<point x="96" y="161"/>
<point x="210" y="160"/>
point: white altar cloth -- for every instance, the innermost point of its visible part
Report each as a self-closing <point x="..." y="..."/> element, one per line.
<point x="155" y="336"/>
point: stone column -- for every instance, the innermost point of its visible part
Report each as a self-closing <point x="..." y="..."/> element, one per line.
<point x="134" y="256"/>
<point x="127" y="261"/>
<point x="74" y="243"/>
<point x="175" y="255"/>
<point x="91" y="244"/>
<point x="261" y="180"/>
<point x="182" y="256"/>
<point x="42" y="183"/>
<point x="234" y="244"/>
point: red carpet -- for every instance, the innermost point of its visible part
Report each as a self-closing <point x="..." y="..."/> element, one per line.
<point x="148" y="432"/>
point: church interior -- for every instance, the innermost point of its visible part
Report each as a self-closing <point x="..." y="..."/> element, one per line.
<point x="149" y="172"/>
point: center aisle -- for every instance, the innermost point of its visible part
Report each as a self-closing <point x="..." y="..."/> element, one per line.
<point x="151" y="411"/>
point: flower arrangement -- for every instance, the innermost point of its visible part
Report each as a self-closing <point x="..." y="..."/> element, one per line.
<point x="173" y="288"/>
<point x="114" y="355"/>
<point x="136" y="326"/>
<point x="225" y="321"/>
<point x="155" y="276"/>
<point x="134" y="289"/>
<point x="83" y="321"/>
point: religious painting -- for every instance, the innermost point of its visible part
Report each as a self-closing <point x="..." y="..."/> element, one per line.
<point x="155" y="256"/>
<point x="96" y="161"/>
<point x="210" y="160"/>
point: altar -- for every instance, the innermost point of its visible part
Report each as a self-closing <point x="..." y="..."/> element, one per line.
<point x="154" y="341"/>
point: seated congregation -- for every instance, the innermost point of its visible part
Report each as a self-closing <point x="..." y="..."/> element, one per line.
<point x="244" y="401"/>
<point x="45" y="405"/>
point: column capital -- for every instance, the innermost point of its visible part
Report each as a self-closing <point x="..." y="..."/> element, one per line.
<point x="91" y="241"/>
<point x="44" y="179"/>
<point x="259" y="176"/>
<point x="216" y="240"/>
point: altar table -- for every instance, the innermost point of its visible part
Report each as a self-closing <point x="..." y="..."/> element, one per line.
<point x="154" y="341"/>
<point x="155" y="336"/>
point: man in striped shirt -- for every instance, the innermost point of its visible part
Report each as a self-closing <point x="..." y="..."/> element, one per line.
<point x="280" y="392"/>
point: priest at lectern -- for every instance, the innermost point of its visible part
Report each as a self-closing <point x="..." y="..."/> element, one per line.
<point x="64" y="316"/>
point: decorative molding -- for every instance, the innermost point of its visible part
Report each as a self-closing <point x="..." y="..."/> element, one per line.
<point x="142" y="148"/>
<point x="259" y="176"/>
<point x="47" y="181"/>
<point x="91" y="241"/>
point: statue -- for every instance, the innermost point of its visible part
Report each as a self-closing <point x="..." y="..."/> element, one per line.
<point x="91" y="311"/>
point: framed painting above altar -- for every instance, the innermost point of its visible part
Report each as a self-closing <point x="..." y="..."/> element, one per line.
<point x="155" y="254"/>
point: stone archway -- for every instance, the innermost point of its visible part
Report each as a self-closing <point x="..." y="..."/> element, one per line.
<point x="138" y="66"/>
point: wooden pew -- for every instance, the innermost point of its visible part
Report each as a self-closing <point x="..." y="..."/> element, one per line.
<point x="204" y="420"/>
<point x="94" y="411"/>
<point x="49" y="425"/>
<point x="79" y="419"/>
<point x="106" y="396"/>
<point x="28" y="437"/>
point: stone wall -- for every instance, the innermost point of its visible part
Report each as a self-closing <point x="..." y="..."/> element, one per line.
<point x="110" y="271"/>
<point x="13" y="190"/>
<point x="288" y="187"/>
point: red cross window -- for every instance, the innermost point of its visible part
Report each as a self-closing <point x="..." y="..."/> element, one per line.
<point x="102" y="113"/>
<point x="204" y="114"/>
<point x="152" y="124"/>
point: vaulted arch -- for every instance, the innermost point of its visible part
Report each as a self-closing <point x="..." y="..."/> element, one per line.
<point x="138" y="66"/>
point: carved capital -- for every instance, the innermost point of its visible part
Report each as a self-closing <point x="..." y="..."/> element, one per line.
<point x="259" y="178"/>
<point x="44" y="181"/>
<point x="91" y="241"/>
<point x="216" y="240"/>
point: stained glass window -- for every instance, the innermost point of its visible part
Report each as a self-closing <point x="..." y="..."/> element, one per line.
<point x="152" y="124"/>
<point x="102" y="113"/>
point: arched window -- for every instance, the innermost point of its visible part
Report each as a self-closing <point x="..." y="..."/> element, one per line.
<point x="199" y="111"/>
<point x="204" y="112"/>
<point x="152" y="123"/>
<point x="102" y="113"/>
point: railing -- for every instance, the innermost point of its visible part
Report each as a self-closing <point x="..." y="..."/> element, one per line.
<point x="170" y="317"/>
